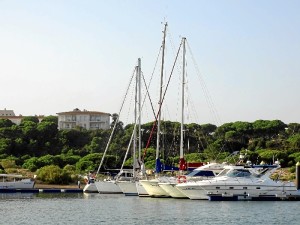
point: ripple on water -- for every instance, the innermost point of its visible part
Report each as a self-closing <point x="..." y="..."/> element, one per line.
<point x="41" y="208"/>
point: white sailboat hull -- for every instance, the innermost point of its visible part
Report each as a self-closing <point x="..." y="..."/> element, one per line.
<point x="90" y="188"/>
<point x="108" y="187"/>
<point x="171" y="189"/>
<point x="141" y="190"/>
<point x="153" y="189"/>
<point x="128" y="188"/>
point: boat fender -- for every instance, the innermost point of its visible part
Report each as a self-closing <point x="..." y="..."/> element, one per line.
<point x="298" y="175"/>
<point x="181" y="179"/>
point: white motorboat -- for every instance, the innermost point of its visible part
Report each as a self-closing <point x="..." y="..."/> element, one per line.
<point x="207" y="171"/>
<point x="244" y="183"/>
<point x="15" y="181"/>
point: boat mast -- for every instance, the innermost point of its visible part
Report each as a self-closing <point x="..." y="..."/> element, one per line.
<point x="135" y="120"/>
<point x="182" y="164"/>
<point x="160" y="101"/>
<point x="140" y="108"/>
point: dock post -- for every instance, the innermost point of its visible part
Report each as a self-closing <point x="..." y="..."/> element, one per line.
<point x="298" y="175"/>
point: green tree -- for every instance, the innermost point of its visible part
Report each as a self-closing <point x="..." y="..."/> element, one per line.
<point x="293" y="128"/>
<point x="294" y="142"/>
<point x="51" y="119"/>
<point x="33" y="119"/>
<point x="6" y="123"/>
<point x="268" y="128"/>
<point x="32" y="164"/>
<point x="74" y="138"/>
<point x="5" y="146"/>
<point x="119" y="125"/>
<point x="47" y="160"/>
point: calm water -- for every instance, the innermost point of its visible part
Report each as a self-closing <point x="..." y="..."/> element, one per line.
<point x="36" y="209"/>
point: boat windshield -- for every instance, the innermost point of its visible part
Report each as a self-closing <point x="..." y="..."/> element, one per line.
<point x="201" y="173"/>
<point x="239" y="173"/>
<point x="223" y="172"/>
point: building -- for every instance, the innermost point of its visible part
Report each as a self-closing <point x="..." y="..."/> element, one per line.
<point x="9" y="114"/>
<point x="90" y="120"/>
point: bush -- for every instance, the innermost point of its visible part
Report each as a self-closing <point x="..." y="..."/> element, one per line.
<point x="69" y="169"/>
<point x="85" y="165"/>
<point x="53" y="175"/>
<point x="8" y="163"/>
<point x="11" y="170"/>
<point x="47" y="160"/>
<point x="32" y="164"/>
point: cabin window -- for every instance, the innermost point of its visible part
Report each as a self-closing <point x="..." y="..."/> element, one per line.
<point x="231" y="187"/>
<point x="244" y="187"/>
<point x="238" y="173"/>
<point x="257" y="187"/>
<point x="217" y="187"/>
<point x="201" y="173"/>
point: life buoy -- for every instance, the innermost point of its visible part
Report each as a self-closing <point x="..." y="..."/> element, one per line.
<point x="181" y="179"/>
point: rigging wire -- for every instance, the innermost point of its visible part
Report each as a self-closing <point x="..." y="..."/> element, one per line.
<point x="116" y="122"/>
<point x="145" y="95"/>
<point x="148" y="94"/>
<point x="162" y="100"/>
<point x="129" y="106"/>
<point x="208" y="97"/>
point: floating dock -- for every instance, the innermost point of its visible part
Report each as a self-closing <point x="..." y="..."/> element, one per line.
<point x="44" y="190"/>
<point x="253" y="198"/>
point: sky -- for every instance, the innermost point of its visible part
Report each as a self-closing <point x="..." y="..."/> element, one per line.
<point x="59" y="55"/>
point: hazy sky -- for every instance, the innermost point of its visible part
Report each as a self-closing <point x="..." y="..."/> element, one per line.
<point x="59" y="55"/>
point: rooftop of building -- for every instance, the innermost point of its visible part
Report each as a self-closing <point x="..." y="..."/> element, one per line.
<point x="82" y="112"/>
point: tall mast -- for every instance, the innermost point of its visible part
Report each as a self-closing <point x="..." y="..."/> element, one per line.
<point x="140" y="107"/>
<point x="135" y="120"/>
<point x="160" y="97"/>
<point x="182" y="165"/>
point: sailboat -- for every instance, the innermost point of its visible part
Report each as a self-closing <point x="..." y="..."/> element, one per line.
<point x="168" y="186"/>
<point x="128" y="187"/>
<point x="203" y="172"/>
<point x="151" y="186"/>
<point x="109" y="185"/>
<point x="156" y="187"/>
<point x="90" y="186"/>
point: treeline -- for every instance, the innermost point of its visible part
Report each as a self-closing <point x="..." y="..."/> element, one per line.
<point x="33" y="145"/>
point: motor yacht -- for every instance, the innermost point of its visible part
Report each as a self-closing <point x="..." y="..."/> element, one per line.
<point x="243" y="182"/>
<point x="204" y="172"/>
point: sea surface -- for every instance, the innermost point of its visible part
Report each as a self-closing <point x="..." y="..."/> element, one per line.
<point x="70" y="208"/>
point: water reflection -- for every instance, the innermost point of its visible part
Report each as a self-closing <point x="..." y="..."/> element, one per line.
<point x="16" y="195"/>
